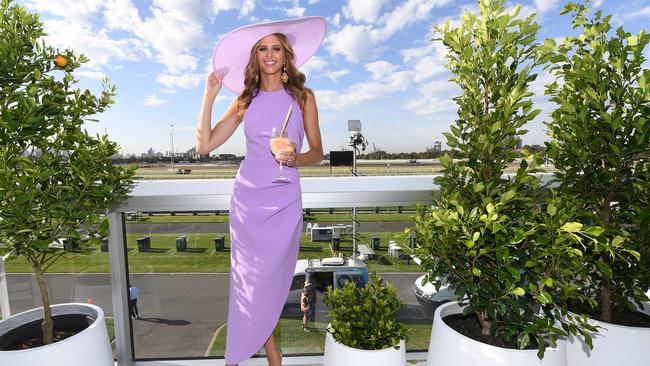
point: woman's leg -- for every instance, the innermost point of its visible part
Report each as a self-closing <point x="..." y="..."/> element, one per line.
<point x="272" y="353"/>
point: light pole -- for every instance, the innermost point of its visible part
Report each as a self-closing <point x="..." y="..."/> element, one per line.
<point x="172" y="136"/>
<point x="355" y="140"/>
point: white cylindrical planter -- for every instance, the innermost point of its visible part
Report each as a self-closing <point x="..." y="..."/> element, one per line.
<point x="88" y="347"/>
<point x="613" y="345"/>
<point x="448" y="347"/>
<point x="338" y="354"/>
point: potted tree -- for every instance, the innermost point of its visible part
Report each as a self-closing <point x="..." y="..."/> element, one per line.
<point x="600" y="148"/>
<point x="499" y="240"/>
<point x="56" y="180"/>
<point x="363" y="330"/>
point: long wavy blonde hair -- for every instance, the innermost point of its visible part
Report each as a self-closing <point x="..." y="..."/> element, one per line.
<point x="295" y="85"/>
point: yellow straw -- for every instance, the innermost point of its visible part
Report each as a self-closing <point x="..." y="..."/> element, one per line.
<point x="285" y="121"/>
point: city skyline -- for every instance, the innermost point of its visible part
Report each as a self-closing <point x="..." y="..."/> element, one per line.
<point x="376" y="64"/>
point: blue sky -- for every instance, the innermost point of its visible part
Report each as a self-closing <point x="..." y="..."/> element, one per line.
<point x="376" y="64"/>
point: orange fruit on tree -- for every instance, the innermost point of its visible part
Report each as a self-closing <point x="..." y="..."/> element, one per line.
<point x="60" y="61"/>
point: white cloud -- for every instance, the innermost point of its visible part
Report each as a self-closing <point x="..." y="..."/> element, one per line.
<point x="380" y="69"/>
<point x="363" y="10"/>
<point x="410" y="12"/>
<point x="295" y="11"/>
<point x="318" y="66"/>
<point x="167" y="36"/>
<point x="356" y="42"/>
<point x="545" y="5"/>
<point x="598" y="3"/>
<point x="335" y="20"/>
<point x="100" y="49"/>
<point x="187" y="81"/>
<point x="426" y="61"/>
<point x="121" y="14"/>
<point x="640" y="13"/>
<point x="364" y="91"/>
<point x="335" y="75"/>
<point x="222" y="98"/>
<point x="81" y="11"/>
<point x="154" y="101"/>
<point x="224" y="5"/>
<point x="315" y="65"/>
<point x="170" y="33"/>
<point x="435" y="97"/>
<point x="177" y="63"/>
<point x="91" y="74"/>
<point x="245" y="6"/>
<point x="312" y="2"/>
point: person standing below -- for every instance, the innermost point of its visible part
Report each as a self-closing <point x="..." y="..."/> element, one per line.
<point x="307" y="305"/>
<point x="260" y="64"/>
<point x="133" y="302"/>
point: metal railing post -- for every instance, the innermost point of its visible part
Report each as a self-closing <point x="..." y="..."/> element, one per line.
<point x="119" y="290"/>
<point x="4" y="292"/>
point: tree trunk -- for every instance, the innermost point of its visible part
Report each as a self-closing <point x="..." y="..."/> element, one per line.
<point x="47" y="326"/>
<point x="606" y="286"/>
<point x="486" y="326"/>
<point x="606" y="300"/>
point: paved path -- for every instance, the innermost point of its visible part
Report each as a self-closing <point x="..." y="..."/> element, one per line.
<point x="183" y="228"/>
<point x="180" y="312"/>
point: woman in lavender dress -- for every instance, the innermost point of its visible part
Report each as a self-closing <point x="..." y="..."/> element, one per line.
<point x="265" y="215"/>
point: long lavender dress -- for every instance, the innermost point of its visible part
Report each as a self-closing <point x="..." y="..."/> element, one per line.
<point x="265" y="228"/>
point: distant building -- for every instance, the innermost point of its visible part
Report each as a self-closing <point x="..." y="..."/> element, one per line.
<point x="151" y="153"/>
<point x="227" y="157"/>
<point x="192" y="154"/>
<point x="519" y="143"/>
<point x="437" y="147"/>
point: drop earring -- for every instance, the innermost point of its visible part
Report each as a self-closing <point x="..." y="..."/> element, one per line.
<point x="284" y="76"/>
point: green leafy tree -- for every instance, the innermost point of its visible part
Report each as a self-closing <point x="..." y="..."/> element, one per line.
<point x="509" y="251"/>
<point x="364" y="318"/>
<point x="55" y="179"/>
<point x="601" y="139"/>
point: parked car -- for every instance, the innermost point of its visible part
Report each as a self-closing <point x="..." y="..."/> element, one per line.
<point x="427" y="292"/>
<point x="324" y="272"/>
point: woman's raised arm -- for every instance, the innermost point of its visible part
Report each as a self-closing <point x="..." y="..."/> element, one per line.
<point x="208" y="138"/>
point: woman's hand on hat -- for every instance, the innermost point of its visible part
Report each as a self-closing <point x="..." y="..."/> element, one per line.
<point x="287" y="157"/>
<point x="214" y="82"/>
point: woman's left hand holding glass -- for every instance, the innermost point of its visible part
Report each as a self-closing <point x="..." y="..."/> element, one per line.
<point x="288" y="156"/>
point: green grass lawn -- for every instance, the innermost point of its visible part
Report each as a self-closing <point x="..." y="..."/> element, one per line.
<point x="201" y="256"/>
<point x="291" y="339"/>
<point x="203" y="217"/>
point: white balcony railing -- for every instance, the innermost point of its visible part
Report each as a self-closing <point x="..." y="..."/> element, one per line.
<point x="212" y="195"/>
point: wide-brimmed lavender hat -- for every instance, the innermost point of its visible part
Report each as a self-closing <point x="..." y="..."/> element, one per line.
<point x="233" y="50"/>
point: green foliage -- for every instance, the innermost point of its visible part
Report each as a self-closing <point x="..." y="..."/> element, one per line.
<point x="364" y="318"/>
<point x="600" y="147"/>
<point x="511" y="252"/>
<point x="55" y="178"/>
